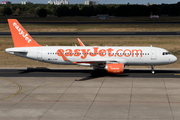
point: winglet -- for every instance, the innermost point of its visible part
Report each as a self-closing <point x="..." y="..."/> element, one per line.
<point x="64" y="57"/>
<point x="80" y="42"/>
<point x="20" y="36"/>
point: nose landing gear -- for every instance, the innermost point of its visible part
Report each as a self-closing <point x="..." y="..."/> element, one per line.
<point x="152" y="69"/>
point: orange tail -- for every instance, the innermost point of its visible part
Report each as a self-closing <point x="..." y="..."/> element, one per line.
<point x="21" y="38"/>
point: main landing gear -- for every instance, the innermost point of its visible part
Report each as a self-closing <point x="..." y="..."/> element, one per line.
<point x="152" y="69"/>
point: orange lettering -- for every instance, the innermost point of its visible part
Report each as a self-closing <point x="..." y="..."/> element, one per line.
<point x="129" y="53"/>
<point x="77" y="52"/>
<point x="59" y="53"/>
<point x="117" y="53"/>
<point x="95" y="52"/>
<point x="102" y="53"/>
<point x="85" y="53"/>
<point x="69" y="52"/>
<point x="137" y="51"/>
<point x="109" y="52"/>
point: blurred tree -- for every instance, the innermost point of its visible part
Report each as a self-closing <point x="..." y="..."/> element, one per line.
<point x="87" y="10"/>
<point x="165" y="9"/>
<point x="174" y="11"/>
<point x="42" y="12"/>
<point x="111" y="9"/>
<point x="7" y="10"/>
<point x="32" y="11"/>
<point x="90" y="10"/>
<point x="100" y="9"/>
<point x="18" y="11"/>
<point x="63" y="10"/>
<point x="1" y="10"/>
<point x="74" y="10"/>
<point x="155" y="9"/>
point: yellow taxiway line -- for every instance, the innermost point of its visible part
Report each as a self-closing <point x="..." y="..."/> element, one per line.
<point x="176" y="74"/>
<point x="20" y="88"/>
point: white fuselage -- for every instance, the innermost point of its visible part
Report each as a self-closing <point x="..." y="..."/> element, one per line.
<point x="122" y="54"/>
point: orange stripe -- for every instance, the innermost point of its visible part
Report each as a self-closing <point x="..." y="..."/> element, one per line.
<point x="64" y="58"/>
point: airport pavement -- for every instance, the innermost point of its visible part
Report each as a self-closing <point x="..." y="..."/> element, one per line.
<point x="81" y="97"/>
<point x="85" y="72"/>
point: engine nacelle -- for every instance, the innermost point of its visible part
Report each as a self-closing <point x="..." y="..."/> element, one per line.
<point x="116" y="68"/>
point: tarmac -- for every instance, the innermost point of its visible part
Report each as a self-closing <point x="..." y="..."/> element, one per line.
<point x="71" y="94"/>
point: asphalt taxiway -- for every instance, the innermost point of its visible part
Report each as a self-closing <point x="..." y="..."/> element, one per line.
<point x="64" y="72"/>
<point x="71" y="94"/>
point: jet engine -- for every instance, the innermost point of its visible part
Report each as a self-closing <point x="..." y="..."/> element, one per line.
<point x="116" y="68"/>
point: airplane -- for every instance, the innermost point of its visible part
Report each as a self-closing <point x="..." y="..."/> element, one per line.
<point x="113" y="59"/>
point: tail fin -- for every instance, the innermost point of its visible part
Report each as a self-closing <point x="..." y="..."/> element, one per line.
<point x="20" y="37"/>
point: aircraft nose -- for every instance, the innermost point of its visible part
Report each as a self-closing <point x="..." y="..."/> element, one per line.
<point x="174" y="58"/>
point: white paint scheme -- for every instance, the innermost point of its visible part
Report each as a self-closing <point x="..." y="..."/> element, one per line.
<point x="113" y="60"/>
<point x="41" y="54"/>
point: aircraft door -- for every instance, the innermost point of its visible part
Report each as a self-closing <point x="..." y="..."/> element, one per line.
<point x="39" y="54"/>
<point x="153" y="54"/>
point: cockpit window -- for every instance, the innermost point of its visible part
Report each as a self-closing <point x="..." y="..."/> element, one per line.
<point x="166" y="53"/>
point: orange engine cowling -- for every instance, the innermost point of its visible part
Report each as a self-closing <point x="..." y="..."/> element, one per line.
<point x="116" y="68"/>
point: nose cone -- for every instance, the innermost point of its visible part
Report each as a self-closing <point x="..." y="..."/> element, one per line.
<point x="174" y="59"/>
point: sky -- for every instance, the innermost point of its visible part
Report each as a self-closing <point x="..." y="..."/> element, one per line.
<point x="105" y="1"/>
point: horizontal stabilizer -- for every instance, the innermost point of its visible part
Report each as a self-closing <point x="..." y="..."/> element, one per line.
<point x="16" y="51"/>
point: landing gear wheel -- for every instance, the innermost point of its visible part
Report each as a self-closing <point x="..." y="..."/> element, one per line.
<point x="152" y="69"/>
<point x="153" y="72"/>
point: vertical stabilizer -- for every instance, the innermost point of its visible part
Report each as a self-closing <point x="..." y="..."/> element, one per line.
<point x="20" y="36"/>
